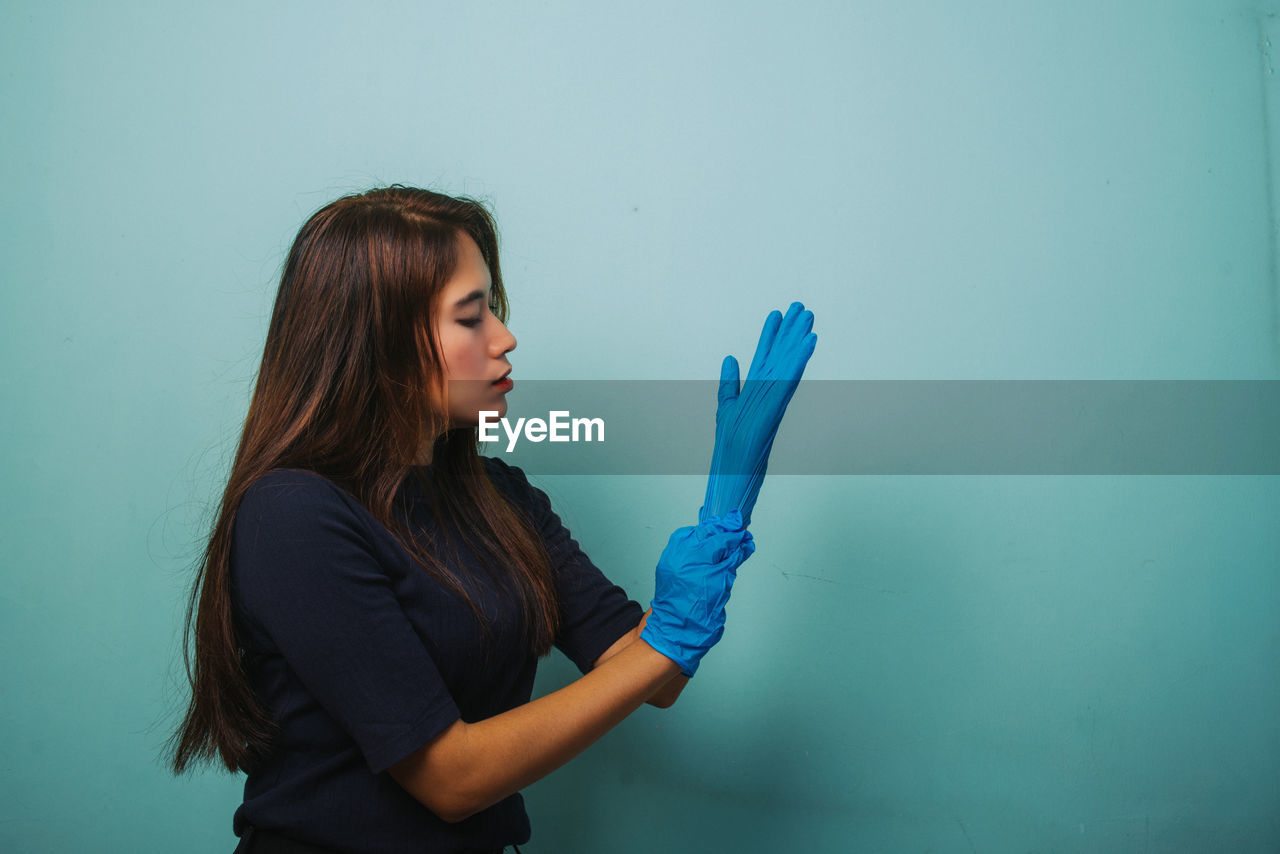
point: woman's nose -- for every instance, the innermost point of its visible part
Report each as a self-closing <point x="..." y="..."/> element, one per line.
<point x="504" y="341"/>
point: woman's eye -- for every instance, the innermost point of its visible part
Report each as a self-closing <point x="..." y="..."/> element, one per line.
<point x="470" y="322"/>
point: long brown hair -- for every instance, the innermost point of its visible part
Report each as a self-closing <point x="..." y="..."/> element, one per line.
<point x="344" y="391"/>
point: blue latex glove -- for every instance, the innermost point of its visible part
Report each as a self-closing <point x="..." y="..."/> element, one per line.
<point x="692" y="584"/>
<point x="747" y="419"/>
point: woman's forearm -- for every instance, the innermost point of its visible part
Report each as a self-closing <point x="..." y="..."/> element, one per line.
<point x="471" y="766"/>
<point x="665" y="696"/>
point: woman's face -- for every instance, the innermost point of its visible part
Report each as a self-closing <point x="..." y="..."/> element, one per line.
<point x="473" y="342"/>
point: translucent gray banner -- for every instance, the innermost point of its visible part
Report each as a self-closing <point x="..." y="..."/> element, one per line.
<point x="1039" y="427"/>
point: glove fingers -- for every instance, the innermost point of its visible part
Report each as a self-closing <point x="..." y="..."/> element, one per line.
<point x="802" y="325"/>
<point x="710" y="545"/>
<point x="729" y="384"/>
<point x="713" y="546"/>
<point x="767" y="336"/>
<point x="797" y="360"/>
<point x="807" y="345"/>
<point x="789" y="320"/>
<point x="794" y="342"/>
<point x="730" y="521"/>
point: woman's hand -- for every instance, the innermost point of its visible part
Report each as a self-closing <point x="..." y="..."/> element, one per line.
<point x="747" y="419"/>
<point x="692" y="584"/>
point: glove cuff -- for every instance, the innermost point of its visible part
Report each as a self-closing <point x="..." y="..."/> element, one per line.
<point x="688" y="664"/>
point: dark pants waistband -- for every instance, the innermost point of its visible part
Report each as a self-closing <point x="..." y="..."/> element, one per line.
<point x="257" y="841"/>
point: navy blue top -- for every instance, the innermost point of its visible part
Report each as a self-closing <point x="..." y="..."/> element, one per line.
<point x="362" y="657"/>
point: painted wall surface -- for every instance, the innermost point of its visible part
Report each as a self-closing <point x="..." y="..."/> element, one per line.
<point x="979" y="190"/>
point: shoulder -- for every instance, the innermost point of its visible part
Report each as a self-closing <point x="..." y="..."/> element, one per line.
<point x="514" y="486"/>
<point x="292" y="486"/>
<point x="294" y="528"/>
<point x="500" y="470"/>
<point x="293" y="496"/>
<point x="511" y="480"/>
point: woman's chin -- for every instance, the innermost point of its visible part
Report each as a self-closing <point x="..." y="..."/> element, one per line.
<point x="489" y="413"/>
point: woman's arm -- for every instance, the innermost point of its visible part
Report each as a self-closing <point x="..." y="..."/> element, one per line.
<point x="667" y="695"/>
<point x="471" y="766"/>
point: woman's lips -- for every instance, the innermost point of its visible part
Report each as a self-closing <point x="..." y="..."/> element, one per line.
<point x="504" y="384"/>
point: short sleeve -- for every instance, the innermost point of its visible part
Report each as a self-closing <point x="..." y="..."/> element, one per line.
<point x="594" y="611"/>
<point x="308" y="575"/>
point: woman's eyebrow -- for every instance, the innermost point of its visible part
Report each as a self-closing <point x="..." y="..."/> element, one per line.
<point x="471" y="297"/>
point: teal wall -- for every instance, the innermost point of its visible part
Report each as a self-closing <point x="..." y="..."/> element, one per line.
<point x="978" y="190"/>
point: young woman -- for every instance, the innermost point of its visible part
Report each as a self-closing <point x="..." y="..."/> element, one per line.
<point x="374" y="596"/>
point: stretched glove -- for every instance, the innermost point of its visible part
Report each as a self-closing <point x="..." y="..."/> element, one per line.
<point x="692" y="584"/>
<point x="747" y="420"/>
